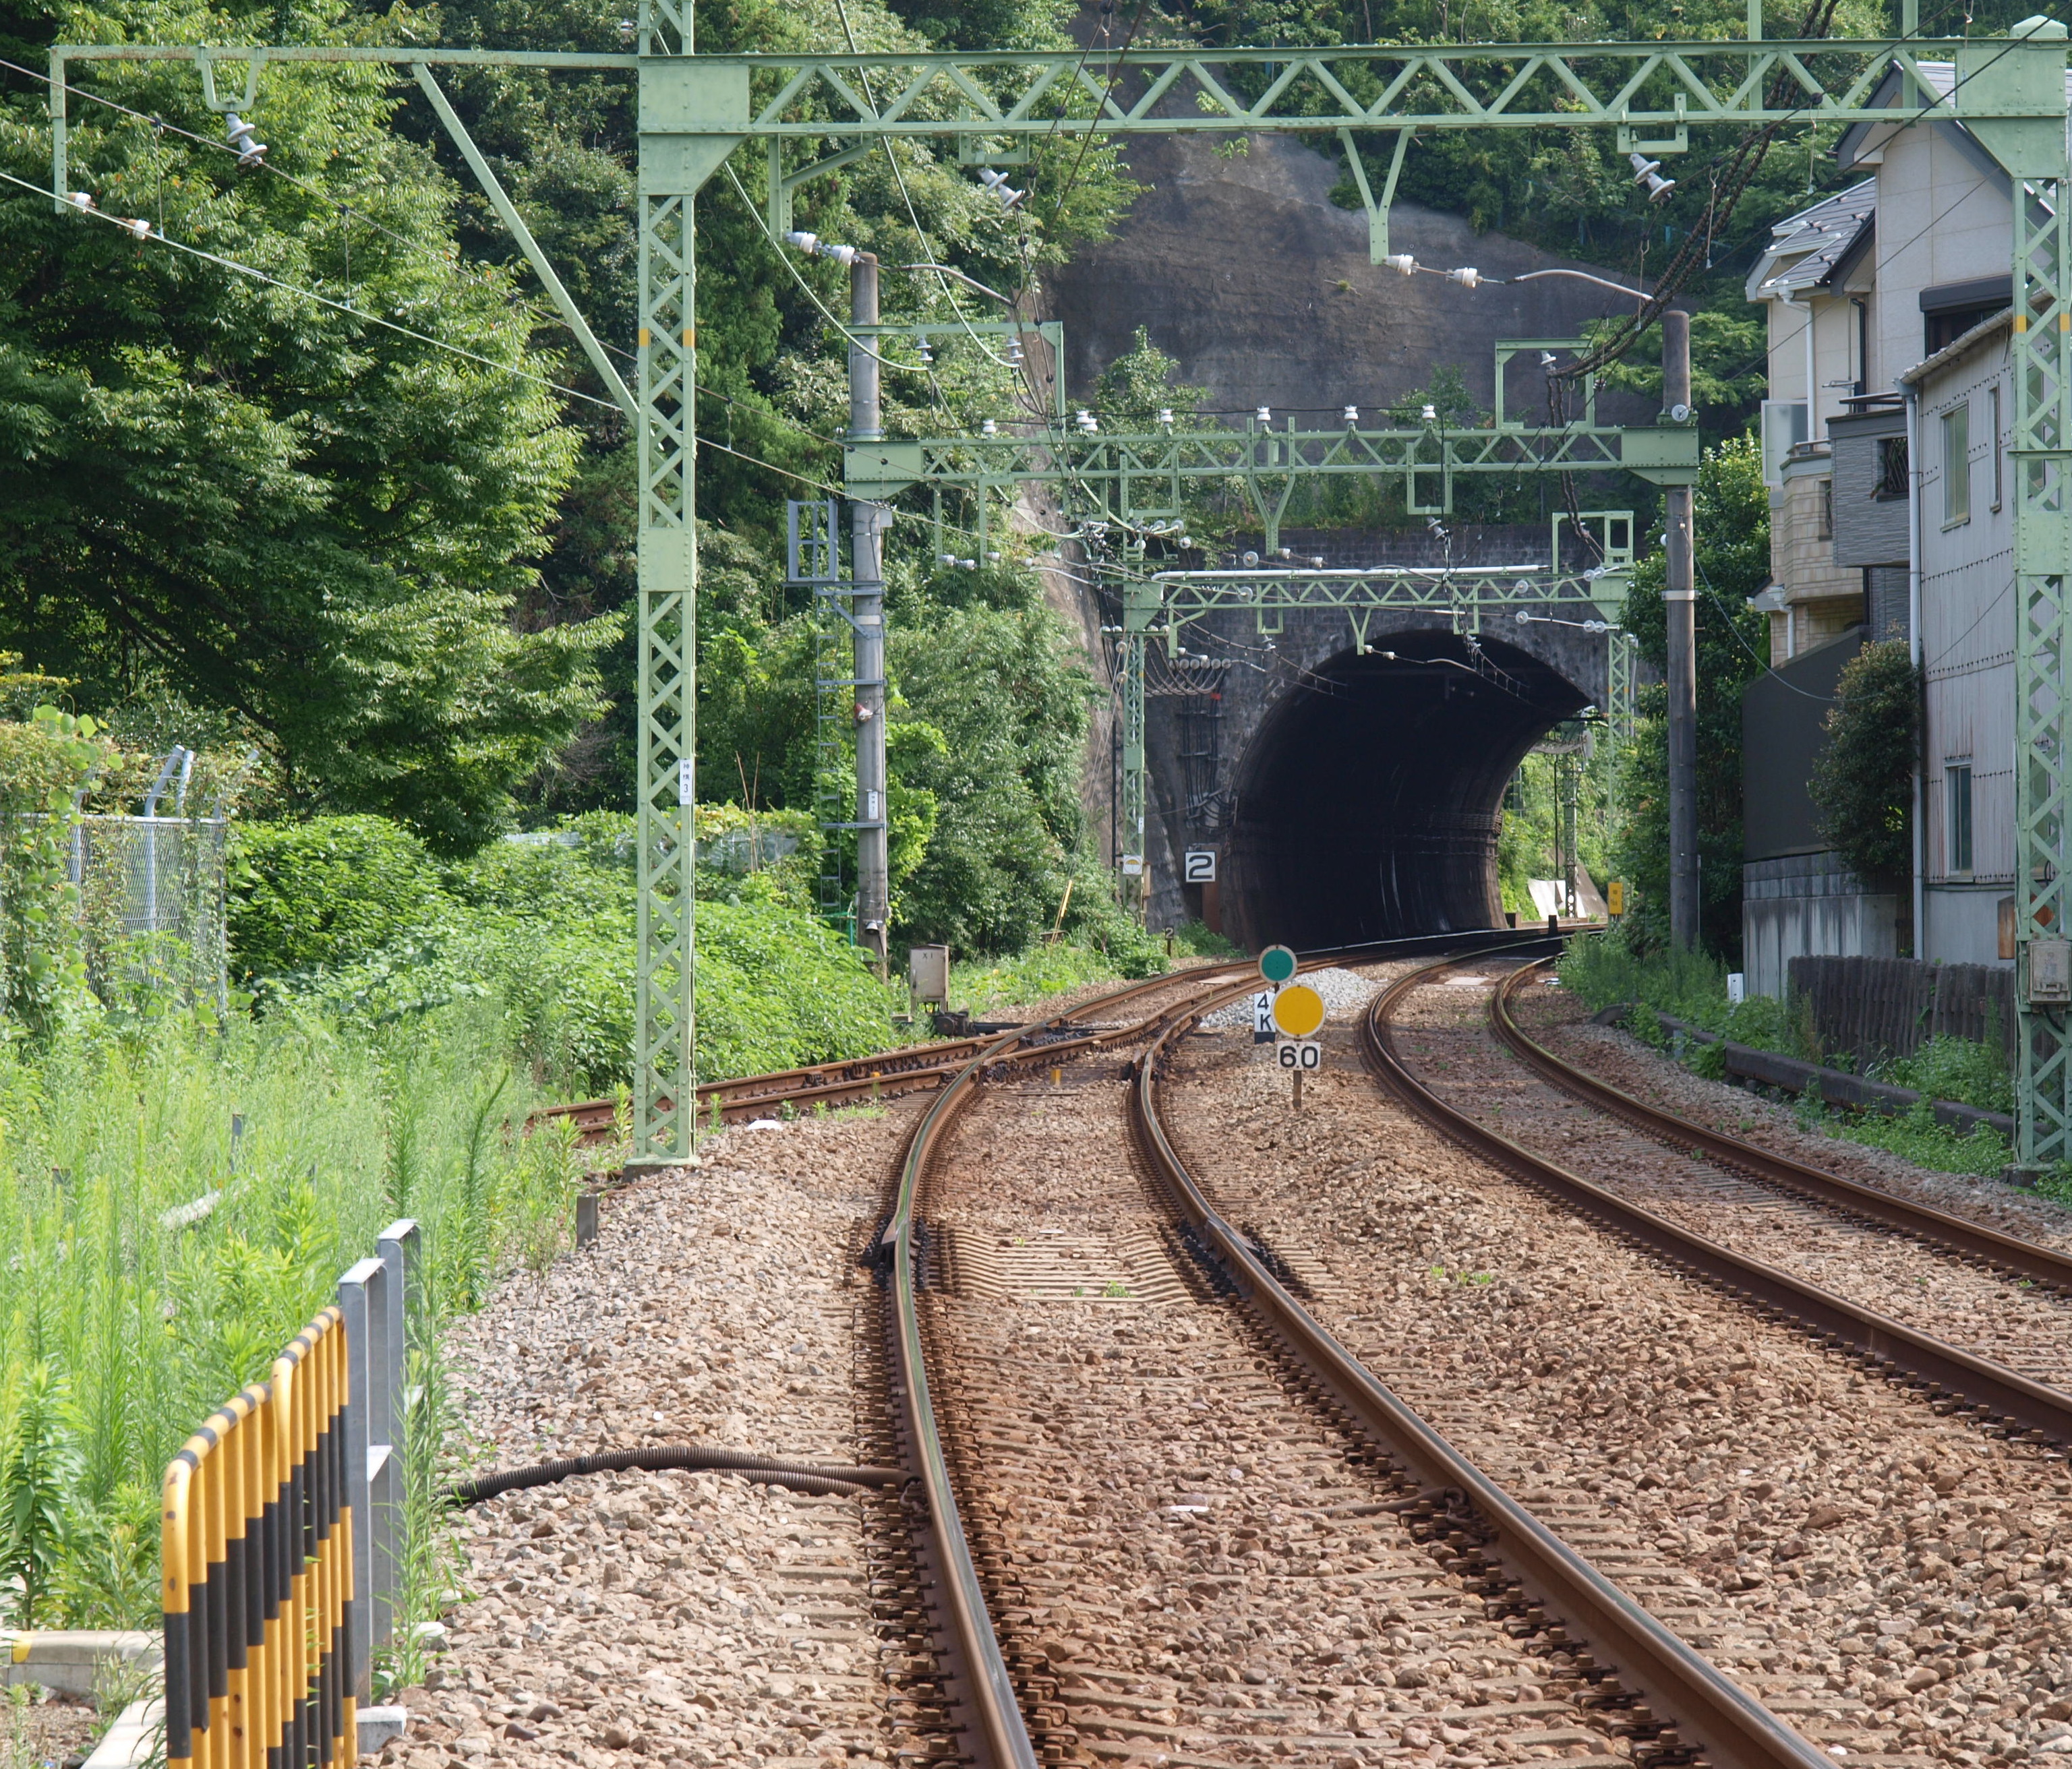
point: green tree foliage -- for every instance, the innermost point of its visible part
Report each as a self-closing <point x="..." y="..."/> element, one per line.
<point x="326" y="892"/>
<point x="1135" y="388"/>
<point x="354" y="914"/>
<point x="771" y="365"/>
<point x="45" y="762"/>
<point x="1732" y="521"/>
<point x="1863" y="780"/>
<point x="285" y="506"/>
<point x="1011" y="701"/>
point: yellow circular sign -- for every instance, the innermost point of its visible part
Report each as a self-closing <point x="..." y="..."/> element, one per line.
<point x="1298" y="1010"/>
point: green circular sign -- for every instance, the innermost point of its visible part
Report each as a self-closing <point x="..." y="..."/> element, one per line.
<point x="1276" y="964"/>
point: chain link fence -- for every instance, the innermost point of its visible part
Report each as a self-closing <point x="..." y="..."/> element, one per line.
<point x="152" y="907"/>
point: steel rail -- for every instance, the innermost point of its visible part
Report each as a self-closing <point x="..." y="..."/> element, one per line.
<point x="2005" y="1393"/>
<point x="904" y="1068"/>
<point x="977" y="1675"/>
<point x="2023" y="1258"/>
<point x="977" y="1672"/>
<point x="1733" y="1729"/>
<point x="897" y="1070"/>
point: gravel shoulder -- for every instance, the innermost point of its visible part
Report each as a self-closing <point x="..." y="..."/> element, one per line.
<point x="679" y="1618"/>
<point x="1561" y="1022"/>
<point x="1454" y="1048"/>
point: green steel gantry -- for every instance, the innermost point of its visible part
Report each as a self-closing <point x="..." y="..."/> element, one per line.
<point x="989" y="108"/>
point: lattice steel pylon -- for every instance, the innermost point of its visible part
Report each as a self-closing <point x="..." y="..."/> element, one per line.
<point x="696" y="109"/>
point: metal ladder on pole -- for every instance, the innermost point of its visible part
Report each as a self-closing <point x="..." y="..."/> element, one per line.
<point x="812" y="560"/>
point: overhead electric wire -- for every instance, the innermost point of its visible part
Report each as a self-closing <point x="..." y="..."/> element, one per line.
<point x="160" y="125"/>
<point x="162" y="238"/>
<point x="1669" y="283"/>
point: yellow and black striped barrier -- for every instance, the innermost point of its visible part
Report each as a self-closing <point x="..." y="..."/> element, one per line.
<point x="258" y="1589"/>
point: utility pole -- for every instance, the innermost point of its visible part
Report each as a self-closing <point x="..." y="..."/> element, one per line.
<point x="867" y="525"/>
<point x="1680" y="592"/>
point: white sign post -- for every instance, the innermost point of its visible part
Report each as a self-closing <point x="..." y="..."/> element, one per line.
<point x="1262" y="1017"/>
<point x="1200" y="866"/>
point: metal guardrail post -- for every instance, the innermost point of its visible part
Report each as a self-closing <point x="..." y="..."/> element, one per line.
<point x="388" y="1429"/>
<point x="363" y="1299"/>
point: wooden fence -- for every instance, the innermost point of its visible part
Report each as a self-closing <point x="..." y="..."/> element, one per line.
<point x="1875" y="1008"/>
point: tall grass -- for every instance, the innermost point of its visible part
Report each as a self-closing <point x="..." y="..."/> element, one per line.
<point x="177" y="1204"/>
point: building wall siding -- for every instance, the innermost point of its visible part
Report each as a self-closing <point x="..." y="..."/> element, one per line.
<point x="1925" y="173"/>
<point x="1868" y="530"/>
<point x="1968" y="618"/>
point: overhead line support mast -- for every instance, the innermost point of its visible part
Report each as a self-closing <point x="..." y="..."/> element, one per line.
<point x="696" y="109"/>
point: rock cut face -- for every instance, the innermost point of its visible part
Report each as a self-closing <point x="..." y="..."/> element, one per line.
<point x="1243" y="269"/>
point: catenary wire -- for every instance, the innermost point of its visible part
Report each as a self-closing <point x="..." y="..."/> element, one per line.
<point x="321" y="299"/>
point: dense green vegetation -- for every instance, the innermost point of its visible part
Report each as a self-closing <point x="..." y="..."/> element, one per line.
<point x="1862" y="782"/>
<point x="1733" y="529"/>
<point x="176" y="1208"/>
<point x="354" y="914"/>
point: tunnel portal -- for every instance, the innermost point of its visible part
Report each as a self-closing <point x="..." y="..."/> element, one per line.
<point x="1365" y="806"/>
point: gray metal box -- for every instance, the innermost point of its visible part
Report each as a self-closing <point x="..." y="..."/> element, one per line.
<point x="928" y="974"/>
<point x="2050" y="973"/>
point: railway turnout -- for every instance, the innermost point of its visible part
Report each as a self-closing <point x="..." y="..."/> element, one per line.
<point x="1478" y="1412"/>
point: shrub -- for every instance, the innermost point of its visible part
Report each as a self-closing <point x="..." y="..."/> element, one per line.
<point x="325" y="892"/>
<point x="1863" y="780"/>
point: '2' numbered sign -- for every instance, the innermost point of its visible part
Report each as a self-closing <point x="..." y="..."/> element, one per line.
<point x="1301" y="1053"/>
<point x="1200" y="867"/>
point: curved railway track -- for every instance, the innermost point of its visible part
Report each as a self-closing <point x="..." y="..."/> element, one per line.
<point x="1881" y="1572"/>
<point x="1700" y="1218"/>
<point x="1351" y="1469"/>
<point x="884" y="1074"/>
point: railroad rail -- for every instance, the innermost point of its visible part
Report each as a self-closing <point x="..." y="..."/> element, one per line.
<point x="1707" y="1709"/>
<point x="976" y="1675"/>
<point x="2010" y="1253"/>
<point x="909" y="1068"/>
<point x="2001" y="1393"/>
<point x="883" y="1074"/>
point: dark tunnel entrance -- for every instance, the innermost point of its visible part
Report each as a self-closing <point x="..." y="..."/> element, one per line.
<point x="1367" y="806"/>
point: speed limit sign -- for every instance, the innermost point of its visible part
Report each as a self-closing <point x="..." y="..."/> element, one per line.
<point x="1301" y="1053"/>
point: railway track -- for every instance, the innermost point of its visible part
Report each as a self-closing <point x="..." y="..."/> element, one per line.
<point x="882" y="1075"/>
<point x="886" y="1074"/>
<point x="1979" y="1319"/>
<point x="1273" y="1555"/>
<point x="1881" y="1570"/>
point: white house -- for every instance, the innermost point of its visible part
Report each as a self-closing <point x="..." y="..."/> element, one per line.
<point x="1884" y="447"/>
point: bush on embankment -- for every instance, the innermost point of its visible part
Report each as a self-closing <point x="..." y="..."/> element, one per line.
<point x="351" y="912"/>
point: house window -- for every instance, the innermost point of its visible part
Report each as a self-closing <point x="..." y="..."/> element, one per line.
<point x="1824" y="515"/>
<point x="1892" y="467"/>
<point x="1957" y="805"/>
<point x="1957" y="465"/>
<point x="1999" y="454"/>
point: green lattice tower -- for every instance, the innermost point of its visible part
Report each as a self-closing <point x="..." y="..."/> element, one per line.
<point x="2031" y="78"/>
<point x="834" y="785"/>
<point x="695" y="110"/>
<point x="664" y="1113"/>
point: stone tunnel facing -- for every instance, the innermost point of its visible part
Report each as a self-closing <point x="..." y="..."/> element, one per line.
<point x="1366" y="805"/>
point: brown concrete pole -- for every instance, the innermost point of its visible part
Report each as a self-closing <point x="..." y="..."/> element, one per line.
<point x="1680" y="592"/>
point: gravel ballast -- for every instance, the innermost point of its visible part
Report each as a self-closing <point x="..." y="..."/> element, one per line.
<point x="1892" y="1582"/>
<point x="685" y="1618"/>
